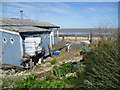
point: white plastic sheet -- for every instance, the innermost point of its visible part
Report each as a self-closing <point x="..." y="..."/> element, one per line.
<point x="86" y="41"/>
<point x="32" y="45"/>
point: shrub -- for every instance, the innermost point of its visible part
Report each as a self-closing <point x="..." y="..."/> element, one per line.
<point x="103" y="66"/>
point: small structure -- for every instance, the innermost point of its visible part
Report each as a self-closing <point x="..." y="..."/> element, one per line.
<point x="25" y="38"/>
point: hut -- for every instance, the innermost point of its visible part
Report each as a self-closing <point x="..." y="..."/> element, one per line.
<point x="23" y="37"/>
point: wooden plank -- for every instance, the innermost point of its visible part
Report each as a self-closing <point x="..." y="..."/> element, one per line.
<point x="9" y="66"/>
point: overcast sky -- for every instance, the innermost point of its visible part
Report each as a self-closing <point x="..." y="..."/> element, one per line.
<point x="64" y="14"/>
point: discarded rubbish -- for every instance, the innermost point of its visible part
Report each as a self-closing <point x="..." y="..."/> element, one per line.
<point x="85" y="41"/>
<point x="74" y="46"/>
<point x="75" y="65"/>
<point x="85" y="49"/>
<point x="56" y="53"/>
<point x="82" y="52"/>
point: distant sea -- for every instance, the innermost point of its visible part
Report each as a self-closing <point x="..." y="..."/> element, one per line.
<point x="86" y="31"/>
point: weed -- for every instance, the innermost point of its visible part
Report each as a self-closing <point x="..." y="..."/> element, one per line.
<point x="63" y="69"/>
<point x="47" y="77"/>
<point x="53" y="61"/>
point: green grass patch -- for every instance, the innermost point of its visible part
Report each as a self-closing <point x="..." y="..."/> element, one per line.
<point x="53" y="61"/>
<point x="33" y="82"/>
<point x="63" y="69"/>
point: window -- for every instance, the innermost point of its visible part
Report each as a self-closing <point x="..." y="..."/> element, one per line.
<point x="12" y="40"/>
<point x="4" y="40"/>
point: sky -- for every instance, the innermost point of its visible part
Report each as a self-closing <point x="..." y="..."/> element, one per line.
<point x="64" y="14"/>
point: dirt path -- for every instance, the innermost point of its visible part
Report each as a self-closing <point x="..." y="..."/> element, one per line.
<point x="46" y="67"/>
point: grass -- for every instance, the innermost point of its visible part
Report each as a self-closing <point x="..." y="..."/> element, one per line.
<point x="9" y="82"/>
<point x="103" y="66"/>
<point x="65" y="55"/>
<point x="53" y="61"/>
<point x="77" y="55"/>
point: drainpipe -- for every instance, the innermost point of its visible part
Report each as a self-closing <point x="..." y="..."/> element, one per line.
<point x="53" y="36"/>
<point x="23" y="44"/>
<point x="50" y="41"/>
<point x="57" y="33"/>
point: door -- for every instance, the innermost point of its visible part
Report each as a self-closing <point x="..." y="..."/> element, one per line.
<point x="46" y="44"/>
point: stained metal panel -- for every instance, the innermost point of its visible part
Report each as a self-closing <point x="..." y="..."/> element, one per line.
<point x="56" y="40"/>
<point x="0" y="46"/>
<point x="11" y="52"/>
<point x="46" y="44"/>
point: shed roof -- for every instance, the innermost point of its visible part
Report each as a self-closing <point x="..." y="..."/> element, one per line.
<point x="24" y="22"/>
<point x="24" y="29"/>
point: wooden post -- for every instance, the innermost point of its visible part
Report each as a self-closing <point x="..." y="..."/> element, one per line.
<point x="75" y="37"/>
<point x="23" y="44"/>
<point x="90" y="38"/>
<point x="63" y="37"/>
<point x="52" y="36"/>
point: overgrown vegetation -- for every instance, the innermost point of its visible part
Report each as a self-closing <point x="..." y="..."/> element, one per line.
<point x="101" y="69"/>
<point x="103" y="66"/>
